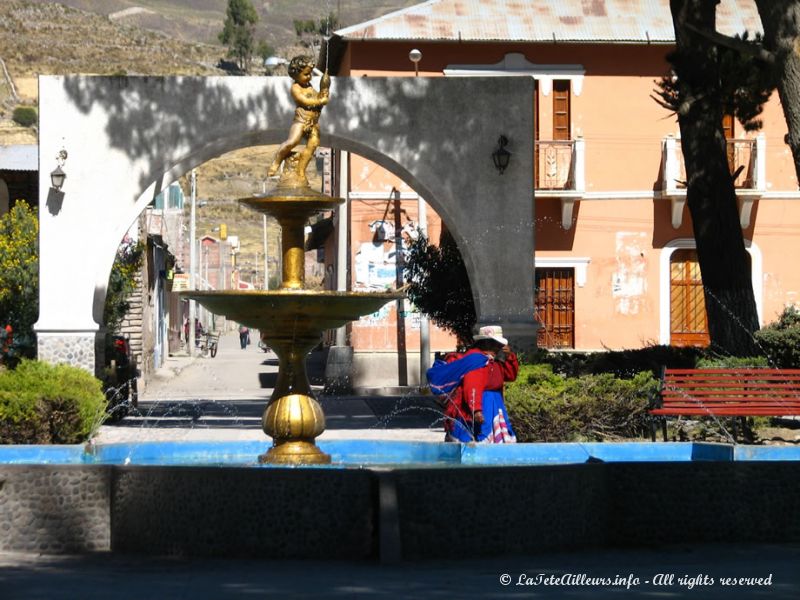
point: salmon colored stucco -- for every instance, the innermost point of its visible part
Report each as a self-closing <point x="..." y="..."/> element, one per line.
<point x="609" y="198"/>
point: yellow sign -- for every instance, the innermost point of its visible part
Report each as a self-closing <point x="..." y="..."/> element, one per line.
<point x="180" y="282"/>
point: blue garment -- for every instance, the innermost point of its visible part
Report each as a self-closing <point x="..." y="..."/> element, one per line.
<point x="492" y="404"/>
<point x="444" y="377"/>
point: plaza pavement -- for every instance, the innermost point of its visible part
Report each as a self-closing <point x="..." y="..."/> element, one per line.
<point x="223" y="398"/>
<point x="695" y="571"/>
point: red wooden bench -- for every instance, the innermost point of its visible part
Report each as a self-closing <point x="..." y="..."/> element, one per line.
<point x="725" y="393"/>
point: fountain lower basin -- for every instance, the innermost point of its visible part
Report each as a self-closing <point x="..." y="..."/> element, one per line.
<point x="369" y="453"/>
<point x="517" y="499"/>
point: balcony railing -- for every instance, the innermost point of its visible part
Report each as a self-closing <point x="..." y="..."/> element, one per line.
<point x="560" y="173"/>
<point x="746" y="160"/>
<point x="560" y="165"/>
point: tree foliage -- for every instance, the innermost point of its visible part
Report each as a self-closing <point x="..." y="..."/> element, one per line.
<point x="19" y="270"/>
<point x="302" y="26"/>
<point x="238" y="32"/>
<point x="438" y="285"/>
<point x="328" y="24"/>
<point x="264" y="50"/>
<point x="122" y="283"/>
<point x="745" y="81"/>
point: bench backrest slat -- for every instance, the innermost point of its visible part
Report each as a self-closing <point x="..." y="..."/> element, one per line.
<point x="731" y="391"/>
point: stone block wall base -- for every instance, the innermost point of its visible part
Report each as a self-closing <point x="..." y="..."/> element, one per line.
<point x="73" y="348"/>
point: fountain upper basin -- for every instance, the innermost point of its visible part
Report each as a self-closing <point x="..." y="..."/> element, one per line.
<point x="293" y="310"/>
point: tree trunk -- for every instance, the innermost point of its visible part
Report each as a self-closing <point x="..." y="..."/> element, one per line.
<point x="781" y="22"/>
<point x="730" y="304"/>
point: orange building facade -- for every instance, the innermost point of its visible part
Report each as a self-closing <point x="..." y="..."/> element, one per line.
<point x="615" y="263"/>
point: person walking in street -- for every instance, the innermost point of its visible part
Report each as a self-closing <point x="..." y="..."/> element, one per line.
<point x="244" y="336"/>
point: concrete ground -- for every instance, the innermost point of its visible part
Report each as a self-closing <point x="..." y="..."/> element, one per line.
<point x="223" y="398"/>
<point x="669" y="573"/>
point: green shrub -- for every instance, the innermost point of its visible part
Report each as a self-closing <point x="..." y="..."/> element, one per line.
<point x="622" y="363"/>
<point x="732" y="362"/>
<point x="780" y="341"/>
<point x="548" y="407"/>
<point x="42" y="403"/>
<point x="25" y="116"/>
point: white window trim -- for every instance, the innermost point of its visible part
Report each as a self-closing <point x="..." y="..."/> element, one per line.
<point x="515" y="63"/>
<point x="579" y="264"/>
<point x="756" y="273"/>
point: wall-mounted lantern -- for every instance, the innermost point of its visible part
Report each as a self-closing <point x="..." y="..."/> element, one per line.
<point x="58" y="176"/>
<point x="501" y="156"/>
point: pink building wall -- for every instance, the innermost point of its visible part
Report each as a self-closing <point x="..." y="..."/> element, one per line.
<point x="622" y="222"/>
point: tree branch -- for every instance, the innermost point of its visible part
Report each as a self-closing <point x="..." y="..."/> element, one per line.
<point x="734" y="43"/>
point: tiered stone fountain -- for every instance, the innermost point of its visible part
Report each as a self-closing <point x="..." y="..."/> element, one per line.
<point x="292" y="319"/>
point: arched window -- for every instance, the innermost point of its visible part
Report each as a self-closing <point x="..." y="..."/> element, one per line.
<point x="683" y="310"/>
<point x="687" y="307"/>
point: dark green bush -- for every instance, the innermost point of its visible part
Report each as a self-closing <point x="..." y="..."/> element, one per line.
<point x="622" y="363"/>
<point x="732" y="362"/>
<point x="548" y="407"/>
<point x="25" y="116"/>
<point x="780" y="341"/>
<point x="42" y="403"/>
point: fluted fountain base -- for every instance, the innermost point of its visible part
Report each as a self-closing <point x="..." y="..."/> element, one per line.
<point x="294" y="421"/>
<point x="295" y="452"/>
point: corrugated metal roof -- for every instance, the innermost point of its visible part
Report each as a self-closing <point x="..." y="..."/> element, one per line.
<point x="19" y="158"/>
<point x="544" y="20"/>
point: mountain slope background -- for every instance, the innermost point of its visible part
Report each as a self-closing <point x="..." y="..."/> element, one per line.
<point x="200" y="21"/>
<point x="162" y="37"/>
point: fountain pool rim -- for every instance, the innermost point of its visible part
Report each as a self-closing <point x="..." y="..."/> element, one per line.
<point x="391" y="453"/>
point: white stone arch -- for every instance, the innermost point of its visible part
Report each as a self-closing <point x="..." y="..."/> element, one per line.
<point x="756" y="273"/>
<point x="129" y="137"/>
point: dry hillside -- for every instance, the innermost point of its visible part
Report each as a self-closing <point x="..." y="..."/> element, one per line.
<point x="37" y="38"/>
<point x="201" y="20"/>
<point x="160" y="37"/>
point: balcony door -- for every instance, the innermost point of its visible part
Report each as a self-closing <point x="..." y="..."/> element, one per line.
<point x="554" y="156"/>
<point x="561" y="110"/>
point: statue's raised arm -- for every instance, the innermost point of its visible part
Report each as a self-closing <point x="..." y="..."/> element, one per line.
<point x="310" y="103"/>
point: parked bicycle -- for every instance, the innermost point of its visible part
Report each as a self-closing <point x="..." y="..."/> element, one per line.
<point x="208" y="345"/>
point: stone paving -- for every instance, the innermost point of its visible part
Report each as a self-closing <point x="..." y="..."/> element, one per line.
<point x="692" y="572"/>
<point x="223" y="398"/>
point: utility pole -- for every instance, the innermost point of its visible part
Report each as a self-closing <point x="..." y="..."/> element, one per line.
<point x="192" y="259"/>
<point x="266" y="254"/>
<point x="342" y="225"/>
<point x="424" y="324"/>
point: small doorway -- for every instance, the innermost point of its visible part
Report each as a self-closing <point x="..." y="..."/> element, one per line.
<point x="555" y="307"/>
<point x="687" y="305"/>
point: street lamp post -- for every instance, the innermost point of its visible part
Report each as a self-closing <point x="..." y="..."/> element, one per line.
<point x="192" y="259"/>
<point x="266" y="254"/>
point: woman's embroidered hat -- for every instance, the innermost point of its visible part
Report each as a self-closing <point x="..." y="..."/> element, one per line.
<point x="491" y="332"/>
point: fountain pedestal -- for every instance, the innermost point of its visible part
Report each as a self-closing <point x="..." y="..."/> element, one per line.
<point x="293" y="418"/>
<point x="291" y="320"/>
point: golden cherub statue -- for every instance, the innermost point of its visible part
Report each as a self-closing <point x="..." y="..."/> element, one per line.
<point x="305" y="125"/>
